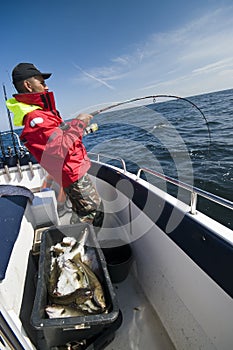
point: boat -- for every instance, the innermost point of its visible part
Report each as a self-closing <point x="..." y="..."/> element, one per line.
<point x="177" y="288"/>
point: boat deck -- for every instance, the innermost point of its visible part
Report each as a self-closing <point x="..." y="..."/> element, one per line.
<point x="191" y="318"/>
<point x="141" y="327"/>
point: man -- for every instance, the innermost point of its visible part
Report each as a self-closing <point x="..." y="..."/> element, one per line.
<point x="56" y="145"/>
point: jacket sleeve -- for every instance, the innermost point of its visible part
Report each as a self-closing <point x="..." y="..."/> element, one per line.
<point x="46" y="133"/>
<point x="66" y="139"/>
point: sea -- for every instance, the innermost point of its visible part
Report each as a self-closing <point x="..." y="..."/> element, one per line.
<point x="188" y="139"/>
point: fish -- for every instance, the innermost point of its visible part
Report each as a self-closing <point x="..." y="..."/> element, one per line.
<point x="80" y="246"/>
<point x="68" y="284"/>
<point x="94" y="283"/>
<point x="90" y="259"/>
<point x="63" y="247"/>
<point x="70" y="247"/>
<point x="70" y="279"/>
<point x="79" y="296"/>
<point x="69" y="241"/>
<point x="90" y="307"/>
<point x="57" y="311"/>
<point x="53" y="276"/>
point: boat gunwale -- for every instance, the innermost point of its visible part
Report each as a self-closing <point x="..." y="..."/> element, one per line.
<point x="195" y="191"/>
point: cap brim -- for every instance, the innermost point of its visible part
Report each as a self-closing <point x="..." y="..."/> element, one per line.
<point x="46" y="75"/>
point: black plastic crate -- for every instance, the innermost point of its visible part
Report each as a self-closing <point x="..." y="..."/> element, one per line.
<point x="53" y="332"/>
<point x="102" y="339"/>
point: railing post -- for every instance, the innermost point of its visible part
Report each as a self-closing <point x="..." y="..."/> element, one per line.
<point x="193" y="203"/>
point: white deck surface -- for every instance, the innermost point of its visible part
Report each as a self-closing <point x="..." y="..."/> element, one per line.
<point x="141" y="328"/>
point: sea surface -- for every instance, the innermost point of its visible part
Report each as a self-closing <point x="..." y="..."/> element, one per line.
<point x="189" y="140"/>
<point x="177" y="139"/>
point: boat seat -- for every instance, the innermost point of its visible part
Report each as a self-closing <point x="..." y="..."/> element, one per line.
<point x="13" y="201"/>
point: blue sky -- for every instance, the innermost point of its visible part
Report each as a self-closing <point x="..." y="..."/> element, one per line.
<point x="106" y="51"/>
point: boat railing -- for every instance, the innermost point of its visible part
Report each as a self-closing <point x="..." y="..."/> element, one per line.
<point x="98" y="155"/>
<point x="10" y="143"/>
<point x="194" y="191"/>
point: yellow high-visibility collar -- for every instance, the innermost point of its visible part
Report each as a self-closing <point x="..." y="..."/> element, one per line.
<point x="19" y="109"/>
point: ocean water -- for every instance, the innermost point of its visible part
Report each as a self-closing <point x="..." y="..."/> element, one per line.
<point x="173" y="137"/>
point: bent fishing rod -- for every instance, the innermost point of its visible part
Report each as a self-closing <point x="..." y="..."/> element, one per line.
<point x="117" y="104"/>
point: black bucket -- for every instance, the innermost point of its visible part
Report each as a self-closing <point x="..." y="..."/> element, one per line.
<point x="118" y="256"/>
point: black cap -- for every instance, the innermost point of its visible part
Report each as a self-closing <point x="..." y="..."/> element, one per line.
<point x="26" y="70"/>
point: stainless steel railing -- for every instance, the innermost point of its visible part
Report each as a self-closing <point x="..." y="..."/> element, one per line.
<point x="98" y="155"/>
<point x="194" y="191"/>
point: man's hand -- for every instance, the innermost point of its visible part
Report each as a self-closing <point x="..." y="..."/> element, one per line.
<point x="86" y="118"/>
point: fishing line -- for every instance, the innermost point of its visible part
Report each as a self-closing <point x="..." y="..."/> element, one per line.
<point x="104" y="109"/>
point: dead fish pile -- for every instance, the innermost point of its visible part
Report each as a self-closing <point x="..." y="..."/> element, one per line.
<point x="73" y="288"/>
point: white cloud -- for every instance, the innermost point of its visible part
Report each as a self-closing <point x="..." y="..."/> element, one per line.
<point x="93" y="77"/>
<point x="190" y="60"/>
<point x="121" y="60"/>
<point x="216" y="66"/>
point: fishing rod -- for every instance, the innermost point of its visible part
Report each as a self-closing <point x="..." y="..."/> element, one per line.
<point x="2" y="146"/>
<point x="104" y="109"/>
<point x="12" y="133"/>
<point x="10" y="122"/>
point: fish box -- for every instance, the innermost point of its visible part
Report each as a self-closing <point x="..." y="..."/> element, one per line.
<point x="56" y="331"/>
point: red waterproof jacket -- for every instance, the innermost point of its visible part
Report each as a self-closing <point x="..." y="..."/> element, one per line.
<point x="56" y="145"/>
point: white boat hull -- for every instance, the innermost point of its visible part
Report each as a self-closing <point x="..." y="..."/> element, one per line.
<point x="185" y="307"/>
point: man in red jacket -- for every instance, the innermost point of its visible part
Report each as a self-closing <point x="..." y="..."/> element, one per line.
<point x="56" y="145"/>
